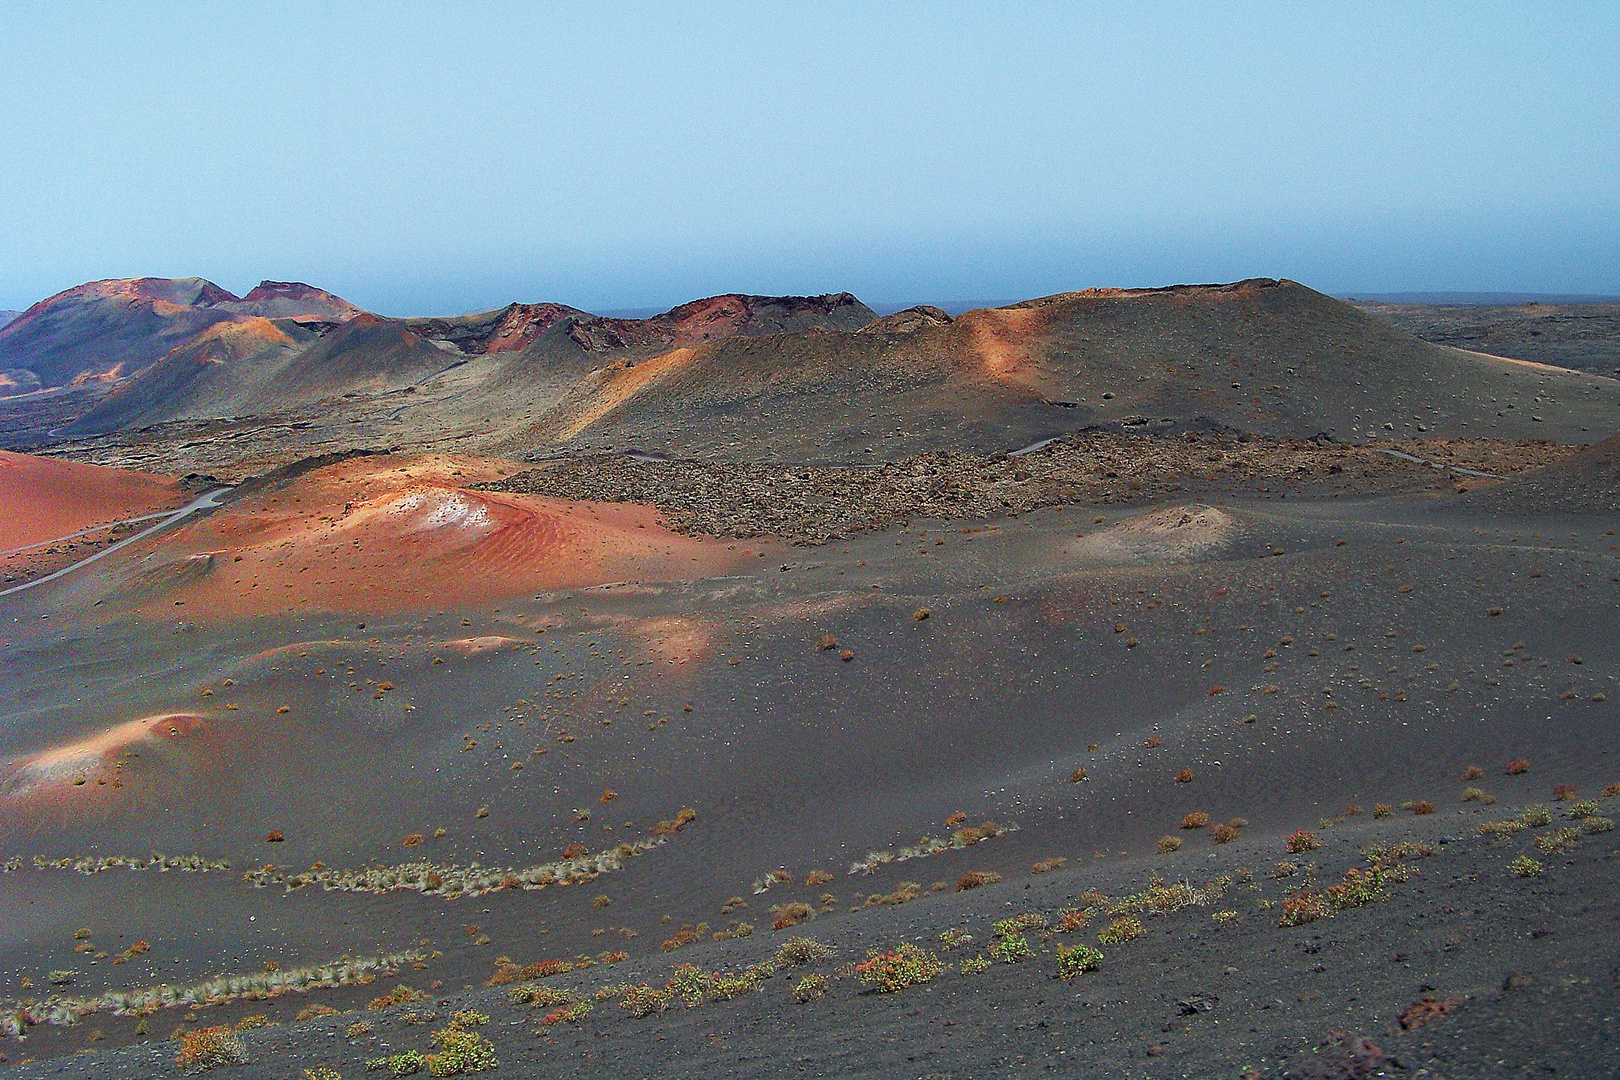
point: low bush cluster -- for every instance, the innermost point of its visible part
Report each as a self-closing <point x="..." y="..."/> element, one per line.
<point x="905" y="965"/>
<point x="810" y="988"/>
<point x="1358" y="887"/>
<point x="572" y="1013"/>
<point x="1524" y="866"/>
<point x="797" y="951"/>
<point x="1556" y="843"/>
<point x="1301" y="841"/>
<point x="546" y="997"/>
<point x="209" y="1048"/>
<point x="1120" y="930"/>
<point x="399" y="995"/>
<point x="1013" y="949"/>
<point x="1074" y="960"/>
<point x="460" y="1051"/>
<point x="685" y="936"/>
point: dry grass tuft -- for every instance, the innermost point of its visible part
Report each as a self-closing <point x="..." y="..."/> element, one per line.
<point x="399" y="995"/>
<point x="1195" y="820"/>
<point x="685" y="936"/>
<point x="975" y="879"/>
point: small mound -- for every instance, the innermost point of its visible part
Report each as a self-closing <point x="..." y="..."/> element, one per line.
<point x="909" y="321"/>
<point x="1173" y="534"/>
<point x="60" y="769"/>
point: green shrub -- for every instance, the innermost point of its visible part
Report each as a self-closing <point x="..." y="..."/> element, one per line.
<point x="1559" y="842"/>
<point x="1010" y="950"/>
<point x="796" y="951"/>
<point x="643" y="1000"/>
<point x="689" y="984"/>
<point x="1536" y="816"/>
<point x="1525" y="866"/>
<point x="1019" y="924"/>
<point x="974" y="965"/>
<point x="460" y="1051"/>
<point x="1076" y="959"/>
<point x="811" y="988"/>
<point x="409" y="1063"/>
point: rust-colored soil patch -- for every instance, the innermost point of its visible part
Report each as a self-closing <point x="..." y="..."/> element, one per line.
<point x="378" y="535"/>
<point x="1004" y="340"/>
<point x="42" y="499"/>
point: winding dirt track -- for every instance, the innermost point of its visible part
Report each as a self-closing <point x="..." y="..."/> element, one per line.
<point x="207" y="501"/>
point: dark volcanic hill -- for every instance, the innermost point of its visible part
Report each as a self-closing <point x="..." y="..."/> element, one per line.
<point x="1272" y="357"/>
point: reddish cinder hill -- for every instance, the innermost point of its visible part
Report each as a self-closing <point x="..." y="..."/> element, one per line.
<point x="294" y="300"/>
<point x="104" y="330"/>
<point x="107" y="331"/>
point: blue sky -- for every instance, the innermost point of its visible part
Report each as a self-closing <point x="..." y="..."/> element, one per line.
<point x="436" y="159"/>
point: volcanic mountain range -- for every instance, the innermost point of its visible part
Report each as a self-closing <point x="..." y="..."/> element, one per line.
<point x="737" y="375"/>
